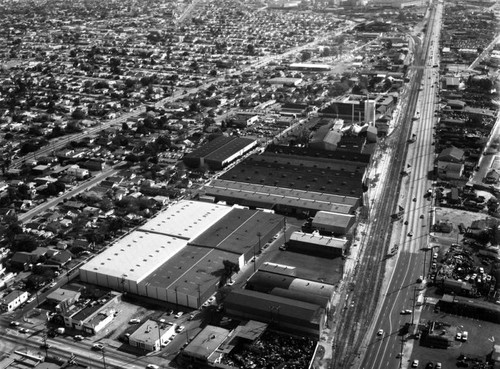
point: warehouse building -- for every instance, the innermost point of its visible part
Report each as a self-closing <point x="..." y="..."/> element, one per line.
<point x="331" y="223"/>
<point x="295" y="182"/>
<point x="270" y="281"/>
<point x="178" y="255"/>
<point x="307" y="243"/>
<point x="282" y="200"/>
<point x="219" y="152"/>
<point x="283" y="313"/>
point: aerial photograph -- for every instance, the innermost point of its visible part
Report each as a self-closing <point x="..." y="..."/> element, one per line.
<point x="249" y="184"/>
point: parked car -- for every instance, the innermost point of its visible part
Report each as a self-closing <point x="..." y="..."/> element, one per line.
<point x="380" y="332"/>
<point x="414" y="364"/>
<point x="458" y="336"/>
<point x="465" y="336"/>
<point x="78" y="337"/>
<point x="24" y="330"/>
<point x="406" y="312"/>
<point x="179" y="329"/>
<point x="178" y="315"/>
<point x="152" y="366"/>
<point x="134" y="321"/>
<point x="14" y="323"/>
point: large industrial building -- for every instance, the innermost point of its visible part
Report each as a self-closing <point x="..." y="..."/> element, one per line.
<point x="176" y="256"/>
<point x="297" y="182"/>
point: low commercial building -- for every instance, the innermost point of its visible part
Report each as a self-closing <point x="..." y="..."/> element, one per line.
<point x="329" y="247"/>
<point x="203" y="350"/>
<point x="152" y="335"/>
<point x="93" y="316"/>
<point x="13" y="300"/>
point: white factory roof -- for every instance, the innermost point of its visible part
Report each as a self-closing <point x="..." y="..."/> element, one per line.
<point x="186" y="219"/>
<point x="136" y="255"/>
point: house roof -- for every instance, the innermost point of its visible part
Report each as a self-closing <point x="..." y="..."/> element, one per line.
<point x="451" y="154"/>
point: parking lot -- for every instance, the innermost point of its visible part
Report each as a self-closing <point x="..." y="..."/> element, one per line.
<point x="481" y="337"/>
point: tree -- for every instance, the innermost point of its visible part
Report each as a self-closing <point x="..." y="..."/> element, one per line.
<point x="25" y="242"/>
<point x="78" y="114"/>
<point x="12" y="231"/>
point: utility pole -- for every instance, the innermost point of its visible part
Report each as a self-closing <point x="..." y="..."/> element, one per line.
<point x="425" y="256"/>
<point x="104" y="357"/>
<point x="159" y="335"/>
<point x="401" y="352"/>
<point x="284" y="230"/>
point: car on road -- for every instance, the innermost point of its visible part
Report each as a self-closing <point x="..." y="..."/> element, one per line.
<point x="97" y="346"/>
<point x="180" y="328"/>
<point x="152" y="366"/>
<point x="211" y="299"/>
<point x="52" y="284"/>
<point x="458" y="336"/>
<point x="192" y="316"/>
<point x="420" y="279"/>
<point x="380" y="332"/>
<point x="179" y="314"/>
<point x="410" y="234"/>
<point x="14" y="324"/>
<point x="78" y="337"/>
<point x="422" y="216"/>
<point x="134" y="321"/>
<point x="414" y="363"/>
<point x="24" y="330"/>
<point x="414" y="199"/>
<point x="230" y="283"/>
<point x="405" y="312"/>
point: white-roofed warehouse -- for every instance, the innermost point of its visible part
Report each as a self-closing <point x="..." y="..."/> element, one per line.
<point x="178" y="255"/>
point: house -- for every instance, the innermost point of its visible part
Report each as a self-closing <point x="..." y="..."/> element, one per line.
<point x="492" y="177"/>
<point x="450" y="163"/>
<point x="60" y="258"/>
<point x="79" y="173"/>
<point x="21" y="260"/>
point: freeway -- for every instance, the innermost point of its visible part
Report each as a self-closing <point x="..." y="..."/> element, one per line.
<point x="362" y="311"/>
<point x="403" y="289"/>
